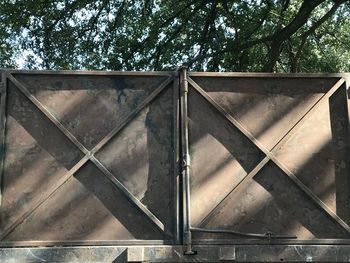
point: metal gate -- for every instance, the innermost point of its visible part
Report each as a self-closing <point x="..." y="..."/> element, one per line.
<point x="269" y="159"/>
<point x="186" y="159"/>
<point x="90" y="158"/>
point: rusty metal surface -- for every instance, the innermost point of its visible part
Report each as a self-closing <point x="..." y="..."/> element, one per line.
<point x="37" y="154"/>
<point x="88" y="106"/>
<point x="103" y="158"/>
<point x="144" y="146"/>
<point x="221" y="156"/>
<point x="87" y="207"/>
<point x="267" y="107"/>
<point x="225" y="192"/>
<point x="123" y="189"/>
<point x="271" y="202"/>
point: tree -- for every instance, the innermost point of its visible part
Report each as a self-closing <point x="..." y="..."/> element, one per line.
<point x="247" y="35"/>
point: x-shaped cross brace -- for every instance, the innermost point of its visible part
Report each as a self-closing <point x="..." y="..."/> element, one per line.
<point x="89" y="155"/>
<point x="270" y="155"/>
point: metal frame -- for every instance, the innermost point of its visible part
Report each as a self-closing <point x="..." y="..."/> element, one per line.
<point x="268" y="75"/>
<point x="92" y="72"/>
<point x="182" y="228"/>
<point x="269" y="156"/>
<point x="177" y="158"/>
<point x="89" y="155"/>
<point x="3" y="95"/>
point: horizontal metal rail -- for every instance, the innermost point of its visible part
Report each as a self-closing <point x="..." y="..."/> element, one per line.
<point x="93" y="73"/>
<point x="267" y="75"/>
<point x="268" y="235"/>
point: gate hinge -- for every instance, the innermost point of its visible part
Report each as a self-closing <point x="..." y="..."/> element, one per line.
<point x="183" y="78"/>
<point x="184" y="84"/>
<point x="186" y="161"/>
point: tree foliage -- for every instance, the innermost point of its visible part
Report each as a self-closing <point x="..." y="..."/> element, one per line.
<point x="236" y="35"/>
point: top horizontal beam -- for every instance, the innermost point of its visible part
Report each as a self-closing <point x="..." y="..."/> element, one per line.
<point x="92" y="73"/>
<point x="175" y="73"/>
<point x="269" y="75"/>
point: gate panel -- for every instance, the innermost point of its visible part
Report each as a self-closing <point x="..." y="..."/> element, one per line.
<point x="144" y="146"/>
<point x="278" y="102"/>
<point x="218" y="150"/>
<point x="269" y="158"/>
<point x="90" y="158"/>
<point x="112" y="98"/>
<point x="323" y="140"/>
<point x="270" y="202"/>
<point x="86" y="207"/>
<point x="37" y="156"/>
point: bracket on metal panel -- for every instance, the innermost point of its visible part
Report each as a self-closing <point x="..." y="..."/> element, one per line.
<point x="189" y="249"/>
<point x="186" y="161"/>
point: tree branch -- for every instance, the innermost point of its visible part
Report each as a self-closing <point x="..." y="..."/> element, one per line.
<point x="300" y="19"/>
<point x="310" y="31"/>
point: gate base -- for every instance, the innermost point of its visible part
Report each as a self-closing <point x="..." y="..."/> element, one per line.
<point x="207" y="253"/>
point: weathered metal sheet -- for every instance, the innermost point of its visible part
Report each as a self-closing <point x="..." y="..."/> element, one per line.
<point x="268" y="155"/>
<point x="89" y="106"/>
<point x="220" y="157"/>
<point x="37" y="155"/>
<point x="270" y="202"/>
<point x="318" y="154"/>
<point x="90" y="158"/>
<point x="267" y="107"/>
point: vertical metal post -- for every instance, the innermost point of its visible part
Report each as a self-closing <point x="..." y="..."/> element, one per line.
<point x="177" y="158"/>
<point x="3" y="94"/>
<point x="187" y="235"/>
